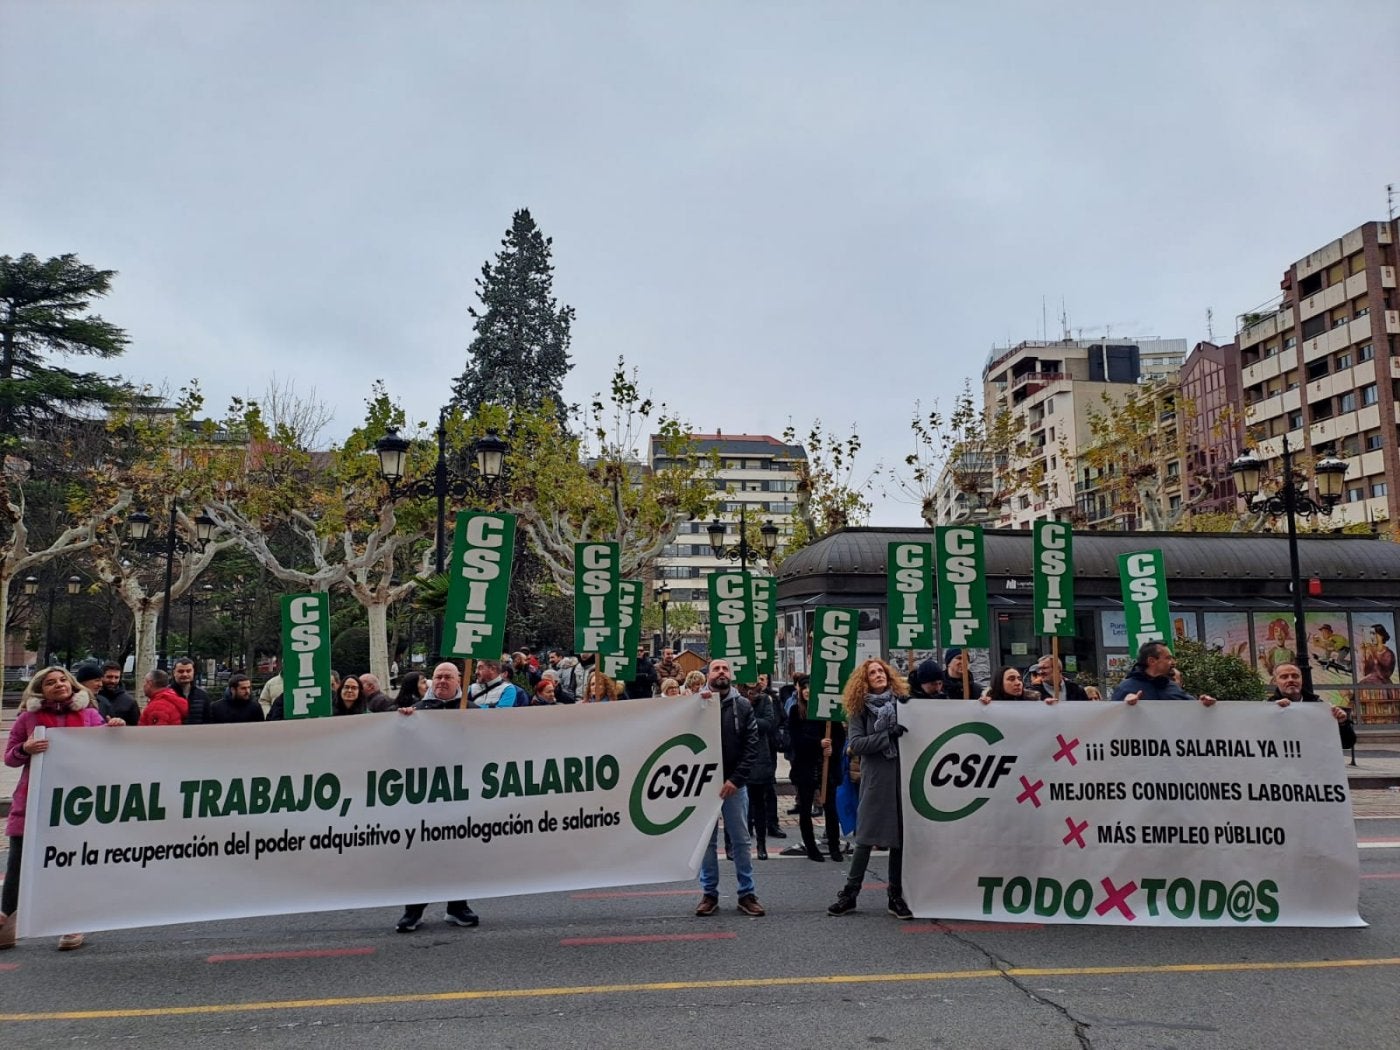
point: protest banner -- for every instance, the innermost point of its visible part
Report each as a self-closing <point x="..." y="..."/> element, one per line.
<point x="1159" y="814"/>
<point x="622" y="664"/>
<point x="597" y="576"/>
<point x="1052" y="566"/>
<point x="731" y="622"/>
<point x="963" y="619"/>
<point x="306" y="655"/>
<point x="834" y="636"/>
<point x="910" y="589"/>
<point x="763" y="604"/>
<point x="231" y="821"/>
<point x="478" y="589"/>
<point x="1143" y="576"/>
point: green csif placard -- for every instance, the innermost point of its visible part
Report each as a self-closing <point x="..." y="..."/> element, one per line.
<point x="834" y="636"/>
<point x="1053" y="573"/>
<point x="306" y="655"/>
<point x="1146" y="611"/>
<point x="909" y="597"/>
<point x="597" y="583"/>
<point x="763" y="603"/>
<point x="622" y="664"/>
<point x="474" y="621"/>
<point x="963" y="619"/>
<point x="731" y="622"/>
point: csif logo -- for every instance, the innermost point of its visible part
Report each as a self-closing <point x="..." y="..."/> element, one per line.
<point x="667" y="777"/>
<point x="963" y="768"/>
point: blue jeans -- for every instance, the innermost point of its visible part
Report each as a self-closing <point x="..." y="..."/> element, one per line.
<point x="735" y="812"/>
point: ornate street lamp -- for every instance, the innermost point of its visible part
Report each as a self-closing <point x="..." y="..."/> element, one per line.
<point x="138" y="527"/>
<point x="74" y="584"/>
<point x="743" y="550"/>
<point x="1290" y="499"/>
<point x="392" y="450"/>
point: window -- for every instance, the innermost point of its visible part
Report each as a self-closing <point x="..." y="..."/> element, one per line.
<point x="1351" y="446"/>
<point x="1317" y="370"/>
<point x="1373" y="442"/>
<point x="1295" y="421"/>
<point x="1314" y="326"/>
<point x="1289" y="342"/>
<point x="1343" y="361"/>
<point x="1340" y="318"/>
<point x="1347" y="402"/>
<point x="1369" y="395"/>
<point x="1365" y="353"/>
<point x="1365" y="311"/>
<point x="1379" y="489"/>
<point x="1355" y="495"/>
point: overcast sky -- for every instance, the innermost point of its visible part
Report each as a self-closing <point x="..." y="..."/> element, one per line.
<point x="778" y="211"/>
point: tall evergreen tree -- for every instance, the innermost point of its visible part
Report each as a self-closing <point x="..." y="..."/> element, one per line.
<point x="520" y="354"/>
<point x="44" y="311"/>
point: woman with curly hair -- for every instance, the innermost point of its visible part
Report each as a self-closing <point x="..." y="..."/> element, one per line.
<point x="53" y="699"/>
<point x="870" y="698"/>
<point x="600" y="689"/>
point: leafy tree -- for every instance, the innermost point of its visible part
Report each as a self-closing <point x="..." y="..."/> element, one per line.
<point x="832" y="493"/>
<point x="567" y="492"/>
<point x="1215" y="673"/>
<point x="44" y="308"/>
<point x="958" y="446"/>
<point x="520" y="354"/>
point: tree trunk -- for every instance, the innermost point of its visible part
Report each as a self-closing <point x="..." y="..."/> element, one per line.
<point x="378" y="614"/>
<point x="145" y="640"/>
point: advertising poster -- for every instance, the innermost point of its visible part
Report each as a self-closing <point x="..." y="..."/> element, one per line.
<point x="1330" y="649"/>
<point x="1274" y="642"/>
<point x="1228" y="632"/>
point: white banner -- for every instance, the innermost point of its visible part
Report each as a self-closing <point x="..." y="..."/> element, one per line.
<point x="221" y="822"/>
<point x="1159" y="814"/>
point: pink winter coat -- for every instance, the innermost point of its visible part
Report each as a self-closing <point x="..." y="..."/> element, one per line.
<point x="83" y="713"/>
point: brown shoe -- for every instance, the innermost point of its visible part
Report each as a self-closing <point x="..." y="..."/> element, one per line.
<point x="748" y="904"/>
<point x="708" y="905"/>
<point x="69" y="941"/>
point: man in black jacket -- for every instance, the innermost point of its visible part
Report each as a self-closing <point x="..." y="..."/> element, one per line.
<point x="182" y="681"/>
<point x="1151" y="678"/>
<point x="1288" y="689"/>
<point x="114" y="701"/>
<point x="237" y="704"/>
<point x="738" y="734"/>
<point x="954" y="660"/>
<point x="1048" y="667"/>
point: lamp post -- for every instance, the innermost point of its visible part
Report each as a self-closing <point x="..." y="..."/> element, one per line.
<point x="392" y="450"/>
<point x="31" y="588"/>
<point x="205" y="591"/>
<point x="742" y="551"/>
<point x="663" y="598"/>
<point x="139" y="527"/>
<point x="1290" y="500"/>
<point x="74" y="584"/>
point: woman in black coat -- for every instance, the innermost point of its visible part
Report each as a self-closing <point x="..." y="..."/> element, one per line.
<point x="811" y="749"/>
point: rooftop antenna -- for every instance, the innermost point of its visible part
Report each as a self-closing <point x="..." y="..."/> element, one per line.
<point x="1064" y="321"/>
<point x="1390" y="200"/>
<point x="1210" y="327"/>
<point x="1044" y="323"/>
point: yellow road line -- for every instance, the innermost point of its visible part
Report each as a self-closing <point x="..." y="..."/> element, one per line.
<point x="686" y="986"/>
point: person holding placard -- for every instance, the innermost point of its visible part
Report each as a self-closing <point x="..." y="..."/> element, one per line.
<point x="1151" y="678"/>
<point x="813" y="747"/>
<point x="53" y="699"/>
<point x="954" y="660"/>
<point x="871" y="699"/>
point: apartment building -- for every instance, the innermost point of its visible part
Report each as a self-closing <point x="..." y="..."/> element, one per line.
<point x="1321" y="367"/>
<point x="757" y="473"/>
<point x="1052" y="390"/>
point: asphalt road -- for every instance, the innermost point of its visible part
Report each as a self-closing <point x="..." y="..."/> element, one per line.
<point x="634" y="968"/>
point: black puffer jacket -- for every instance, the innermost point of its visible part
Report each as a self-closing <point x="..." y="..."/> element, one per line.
<point x="738" y="737"/>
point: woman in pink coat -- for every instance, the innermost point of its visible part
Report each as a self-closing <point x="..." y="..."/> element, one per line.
<point x="55" y="700"/>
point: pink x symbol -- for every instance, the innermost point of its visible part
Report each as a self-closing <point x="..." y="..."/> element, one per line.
<point x="1076" y="832"/>
<point x="1030" y="792"/>
<point x="1117" y="897"/>
<point x="1067" y="749"/>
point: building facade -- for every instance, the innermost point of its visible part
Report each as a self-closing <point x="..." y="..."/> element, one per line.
<point x="1051" y="391"/>
<point x="1320" y="368"/>
<point x="756" y="473"/>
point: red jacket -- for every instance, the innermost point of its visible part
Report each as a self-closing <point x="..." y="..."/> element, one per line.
<point x="166" y="708"/>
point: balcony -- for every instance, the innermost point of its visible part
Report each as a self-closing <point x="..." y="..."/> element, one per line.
<point x="1037" y="380"/>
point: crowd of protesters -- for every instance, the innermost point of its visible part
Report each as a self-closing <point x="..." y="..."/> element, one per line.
<point x="847" y="773"/>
